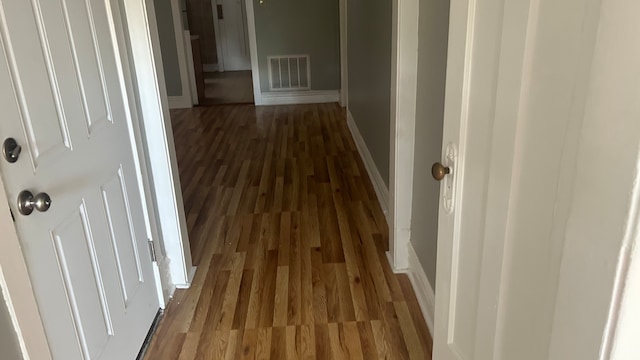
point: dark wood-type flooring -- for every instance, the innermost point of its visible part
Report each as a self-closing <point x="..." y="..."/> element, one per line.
<point x="289" y="241"/>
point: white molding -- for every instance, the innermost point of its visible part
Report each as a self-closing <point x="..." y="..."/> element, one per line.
<point x="179" y="102"/>
<point x="299" y="97"/>
<point x="216" y="34"/>
<point x="210" y="67"/>
<point x="344" y="65"/>
<point x="382" y="192"/>
<point x="158" y="142"/>
<point x="404" y="87"/>
<point x="164" y="293"/>
<point x="253" y="52"/>
<point x="191" y="67"/>
<point x="421" y="287"/>
<point x="192" y="275"/>
<point x="181" y="48"/>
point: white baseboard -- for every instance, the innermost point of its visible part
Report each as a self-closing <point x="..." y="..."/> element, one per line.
<point x="210" y="67"/>
<point x="381" y="189"/>
<point x="422" y="288"/>
<point x="192" y="274"/>
<point x="299" y="97"/>
<point x="179" y="102"/>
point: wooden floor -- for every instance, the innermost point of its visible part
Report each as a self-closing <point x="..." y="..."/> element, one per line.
<point x="289" y="241"/>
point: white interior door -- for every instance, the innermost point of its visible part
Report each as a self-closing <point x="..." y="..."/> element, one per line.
<point x="518" y="277"/>
<point x="231" y="34"/>
<point x="64" y="101"/>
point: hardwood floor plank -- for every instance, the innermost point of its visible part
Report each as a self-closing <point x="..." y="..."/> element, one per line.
<point x="350" y="337"/>
<point x="232" y="292"/>
<point x="289" y="240"/>
<point x="409" y="332"/>
<point x="278" y="342"/>
<point x="281" y="297"/>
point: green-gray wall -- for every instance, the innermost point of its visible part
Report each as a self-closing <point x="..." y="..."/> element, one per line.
<point x="9" y="347"/>
<point x="300" y="27"/>
<point x="168" y="47"/>
<point x="369" y="68"/>
<point x="432" y="65"/>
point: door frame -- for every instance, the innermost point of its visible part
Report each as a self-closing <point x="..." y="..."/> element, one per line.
<point x="216" y="33"/>
<point x="175" y="265"/>
<point x="160" y="186"/>
<point x="404" y="88"/>
<point x="185" y="99"/>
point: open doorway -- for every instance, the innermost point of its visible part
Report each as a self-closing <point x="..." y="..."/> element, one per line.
<point x="220" y="47"/>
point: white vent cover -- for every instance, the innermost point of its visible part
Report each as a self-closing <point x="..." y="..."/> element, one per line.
<point x="289" y="72"/>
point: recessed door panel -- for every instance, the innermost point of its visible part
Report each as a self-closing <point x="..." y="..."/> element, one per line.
<point x="33" y="76"/>
<point x="80" y="270"/>
<point x="81" y="28"/>
<point x="122" y="235"/>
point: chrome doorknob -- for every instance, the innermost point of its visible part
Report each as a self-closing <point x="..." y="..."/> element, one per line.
<point x="11" y="150"/>
<point x="27" y="202"/>
<point x="438" y="171"/>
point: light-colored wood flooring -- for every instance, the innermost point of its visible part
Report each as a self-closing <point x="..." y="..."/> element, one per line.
<point x="229" y="87"/>
<point x="289" y="241"/>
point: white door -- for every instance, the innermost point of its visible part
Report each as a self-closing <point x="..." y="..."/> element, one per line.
<point x="64" y="101"/>
<point x="231" y="35"/>
<point x="530" y="87"/>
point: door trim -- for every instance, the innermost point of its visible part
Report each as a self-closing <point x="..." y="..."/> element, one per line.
<point x="216" y="33"/>
<point x="253" y="53"/>
<point x="344" y="65"/>
<point x="184" y="100"/>
<point x="404" y="88"/>
<point x="174" y="261"/>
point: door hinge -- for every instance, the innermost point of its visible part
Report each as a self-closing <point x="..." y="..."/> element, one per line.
<point x="152" y="250"/>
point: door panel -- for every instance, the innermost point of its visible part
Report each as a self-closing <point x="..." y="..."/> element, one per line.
<point x="81" y="28"/>
<point x="62" y="94"/>
<point x="233" y="36"/>
<point x="122" y="235"/>
<point x="516" y="84"/>
<point x="78" y="264"/>
<point x="39" y="99"/>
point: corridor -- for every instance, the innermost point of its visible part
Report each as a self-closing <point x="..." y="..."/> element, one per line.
<point x="289" y="240"/>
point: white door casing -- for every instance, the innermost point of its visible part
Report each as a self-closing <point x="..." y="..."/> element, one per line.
<point x="526" y="260"/>
<point x="65" y="101"/>
<point x="231" y="35"/>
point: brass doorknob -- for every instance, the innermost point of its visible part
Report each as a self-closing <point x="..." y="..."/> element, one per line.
<point x="438" y="171"/>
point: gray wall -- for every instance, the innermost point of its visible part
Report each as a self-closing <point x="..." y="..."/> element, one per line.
<point x="369" y="68"/>
<point x="432" y="64"/>
<point x="168" y="47"/>
<point x="300" y="27"/>
<point x="9" y="347"/>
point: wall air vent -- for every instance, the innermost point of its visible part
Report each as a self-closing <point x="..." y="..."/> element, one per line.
<point x="289" y="72"/>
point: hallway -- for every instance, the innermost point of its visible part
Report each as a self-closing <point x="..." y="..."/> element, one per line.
<point x="289" y="240"/>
